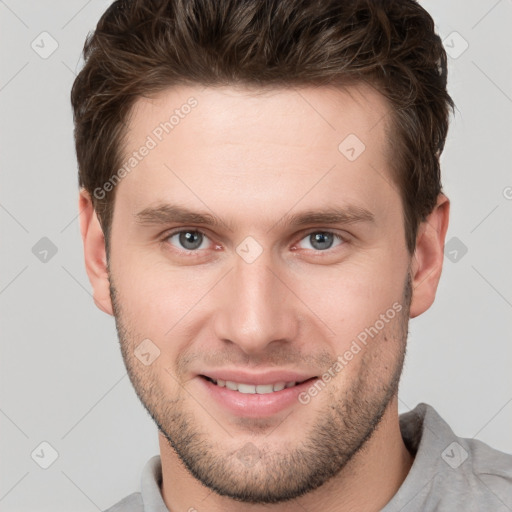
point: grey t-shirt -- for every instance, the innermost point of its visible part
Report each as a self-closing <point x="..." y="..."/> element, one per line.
<point x="449" y="473"/>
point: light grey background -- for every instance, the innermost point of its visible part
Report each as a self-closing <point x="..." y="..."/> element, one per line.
<point x="62" y="376"/>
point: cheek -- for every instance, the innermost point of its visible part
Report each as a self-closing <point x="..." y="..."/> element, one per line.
<point x="171" y="307"/>
<point x="351" y="297"/>
<point x="153" y="293"/>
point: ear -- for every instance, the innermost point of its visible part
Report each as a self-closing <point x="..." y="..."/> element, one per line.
<point x="427" y="261"/>
<point x="94" y="253"/>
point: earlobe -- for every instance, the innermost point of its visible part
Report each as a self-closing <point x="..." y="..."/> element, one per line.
<point x="427" y="261"/>
<point x="94" y="253"/>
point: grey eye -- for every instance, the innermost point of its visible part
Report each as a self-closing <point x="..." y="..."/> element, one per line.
<point x="320" y="240"/>
<point x="189" y="240"/>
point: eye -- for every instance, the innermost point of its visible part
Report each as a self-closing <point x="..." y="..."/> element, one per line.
<point x="320" y="240"/>
<point x="188" y="239"/>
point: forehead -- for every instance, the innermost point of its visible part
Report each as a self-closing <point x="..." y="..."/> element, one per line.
<point x="293" y="115"/>
<point x="249" y="141"/>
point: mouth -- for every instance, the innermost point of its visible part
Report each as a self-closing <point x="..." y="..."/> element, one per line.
<point x="255" y="396"/>
<point x="255" y="389"/>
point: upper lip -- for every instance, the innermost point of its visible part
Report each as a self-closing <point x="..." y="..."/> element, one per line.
<point x="260" y="378"/>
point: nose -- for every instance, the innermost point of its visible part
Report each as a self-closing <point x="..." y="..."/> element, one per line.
<point x="255" y="307"/>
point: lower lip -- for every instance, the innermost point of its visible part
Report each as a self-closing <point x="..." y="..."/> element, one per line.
<point x="255" y="405"/>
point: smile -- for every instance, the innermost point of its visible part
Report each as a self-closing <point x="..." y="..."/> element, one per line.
<point x="260" y="389"/>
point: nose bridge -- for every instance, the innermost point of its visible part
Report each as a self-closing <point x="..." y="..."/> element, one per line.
<point x="255" y="310"/>
<point x="255" y="289"/>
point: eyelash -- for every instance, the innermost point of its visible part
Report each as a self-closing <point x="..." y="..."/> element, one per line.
<point x="197" y="252"/>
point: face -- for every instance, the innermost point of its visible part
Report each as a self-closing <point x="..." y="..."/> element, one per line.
<point x="259" y="241"/>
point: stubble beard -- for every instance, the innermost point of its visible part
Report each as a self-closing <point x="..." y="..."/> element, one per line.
<point x="341" y="429"/>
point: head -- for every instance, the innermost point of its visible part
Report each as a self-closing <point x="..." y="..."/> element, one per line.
<point x="260" y="193"/>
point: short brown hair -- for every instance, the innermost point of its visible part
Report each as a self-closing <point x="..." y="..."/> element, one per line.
<point x="141" y="47"/>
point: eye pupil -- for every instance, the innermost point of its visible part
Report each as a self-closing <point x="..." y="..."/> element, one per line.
<point x="190" y="239"/>
<point x="321" y="241"/>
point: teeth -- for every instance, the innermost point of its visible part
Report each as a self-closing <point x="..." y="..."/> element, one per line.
<point x="279" y="386"/>
<point x="245" y="388"/>
<point x="260" y="389"/>
<point x="263" y="388"/>
<point x="232" y="385"/>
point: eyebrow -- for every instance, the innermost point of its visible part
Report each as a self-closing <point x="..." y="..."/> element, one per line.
<point x="331" y="215"/>
<point x="169" y="213"/>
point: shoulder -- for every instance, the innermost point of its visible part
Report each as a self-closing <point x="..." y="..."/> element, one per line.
<point x="132" y="503"/>
<point x="488" y="470"/>
<point x="474" y="477"/>
<point x="149" y="494"/>
<point x="487" y="460"/>
<point x="449" y="472"/>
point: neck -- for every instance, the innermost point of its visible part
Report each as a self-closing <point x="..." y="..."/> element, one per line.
<point x="369" y="480"/>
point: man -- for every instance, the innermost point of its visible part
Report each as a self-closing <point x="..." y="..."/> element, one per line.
<point x="262" y="213"/>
